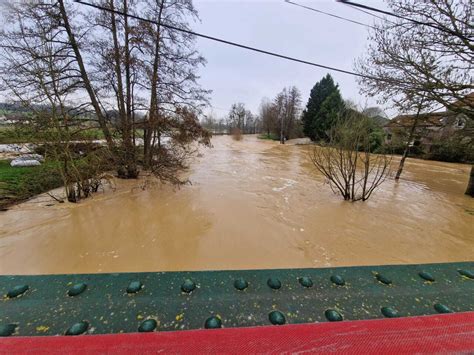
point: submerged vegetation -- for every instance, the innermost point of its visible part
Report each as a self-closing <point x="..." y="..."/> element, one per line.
<point x="92" y="74"/>
<point x="346" y="159"/>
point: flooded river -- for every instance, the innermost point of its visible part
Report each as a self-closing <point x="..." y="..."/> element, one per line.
<point x="252" y="204"/>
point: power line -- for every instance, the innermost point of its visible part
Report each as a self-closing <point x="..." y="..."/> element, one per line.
<point x="226" y="41"/>
<point x="327" y="13"/>
<point x="432" y="25"/>
<point x="365" y="12"/>
<point x="357" y="5"/>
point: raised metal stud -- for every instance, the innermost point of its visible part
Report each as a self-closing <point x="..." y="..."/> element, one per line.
<point x="7" y="329"/>
<point x="389" y="312"/>
<point x="148" y="325"/>
<point x="274" y="283"/>
<point x="213" y="323"/>
<point x="134" y="287"/>
<point x="426" y="276"/>
<point x="338" y="280"/>
<point x="17" y="291"/>
<point x="383" y="279"/>
<point x="78" y="328"/>
<point x="241" y="284"/>
<point x="306" y="281"/>
<point x="466" y="273"/>
<point x="276" y="318"/>
<point x="333" y="315"/>
<point x="441" y="308"/>
<point x="77" y="289"/>
<point x="188" y="286"/>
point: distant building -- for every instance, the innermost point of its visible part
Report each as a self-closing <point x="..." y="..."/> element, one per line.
<point x="431" y="127"/>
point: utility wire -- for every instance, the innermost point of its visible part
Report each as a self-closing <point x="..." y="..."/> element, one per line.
<point x="432" y="25"/>
<point x="365" y="12"/>
<point x="327" y="13"/>
<point x="226" y="41"/>
<point x="357" y="5"/>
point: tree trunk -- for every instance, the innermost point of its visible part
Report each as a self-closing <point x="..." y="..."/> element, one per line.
<point x="130" y="158"/>
<point x="282" y="137"/>
<point x="402" y="161"/>
<point x="85" y="78"/>
<point x="153" y="111"/>
<point x="470" y="185"/>
<point x="407" y="148"/>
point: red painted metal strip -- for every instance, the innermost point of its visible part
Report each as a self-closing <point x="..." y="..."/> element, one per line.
<point x="447" y="333"/>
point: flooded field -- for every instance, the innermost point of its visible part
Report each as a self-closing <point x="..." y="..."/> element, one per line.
<point x="252" y="204"/>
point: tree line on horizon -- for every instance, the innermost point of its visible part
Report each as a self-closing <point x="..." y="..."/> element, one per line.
<point x="284" y="118"/>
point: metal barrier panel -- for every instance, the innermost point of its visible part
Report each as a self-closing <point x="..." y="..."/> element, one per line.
<point x="166" y="301"/>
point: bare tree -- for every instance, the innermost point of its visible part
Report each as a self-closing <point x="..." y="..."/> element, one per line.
<point x="429" y="59"/>
<point x="219" y="125"/>
<point x="346" y="160"/>
<point x="182" y="129"/>
<point x="169" y="62"/>
<point x="267" y="116"/>
<point x="411" y="134"/>
<point x="287" y="108"/>
<point x="59" y="11"/>
<point x="39" y="70"/>
<point x="237" y="117"/>
<point x="136" y="79"/>
<point x="111" y="45"/>
<point x="146" y="67"/>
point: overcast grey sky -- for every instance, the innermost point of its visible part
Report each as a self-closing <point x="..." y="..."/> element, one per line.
<point x="237" y="75"/>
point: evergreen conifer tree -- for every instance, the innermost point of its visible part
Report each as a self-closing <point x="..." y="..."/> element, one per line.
<point x="324" y="106"/>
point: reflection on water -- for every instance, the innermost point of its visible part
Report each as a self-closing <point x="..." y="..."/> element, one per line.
<point x="252" y="204"/>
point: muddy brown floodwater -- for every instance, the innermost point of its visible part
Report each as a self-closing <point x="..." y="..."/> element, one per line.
<point x="252" y="204"/>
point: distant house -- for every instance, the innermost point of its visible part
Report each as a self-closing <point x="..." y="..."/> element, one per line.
<point x="431" y="127"/>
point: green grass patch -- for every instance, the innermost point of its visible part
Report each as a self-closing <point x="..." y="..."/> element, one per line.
<point x="20" y="183"/>
<point x="11" y="134"/>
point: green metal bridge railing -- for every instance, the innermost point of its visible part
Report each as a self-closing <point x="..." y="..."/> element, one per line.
<point x="166" y="301"/>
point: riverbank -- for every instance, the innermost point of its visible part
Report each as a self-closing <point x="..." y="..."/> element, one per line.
<point x="18" y="184"/>
<point x="252" y="204"/>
